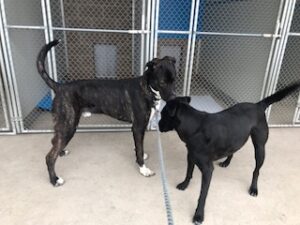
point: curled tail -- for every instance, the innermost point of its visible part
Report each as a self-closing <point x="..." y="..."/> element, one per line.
<point x="40" y="63"/>
<point x="279" y="95"/>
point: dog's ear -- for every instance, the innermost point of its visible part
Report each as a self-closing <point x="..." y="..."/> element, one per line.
<point x="170" y="58"/>
<point x="151" y="64"/>
<point x="185" y="99"/>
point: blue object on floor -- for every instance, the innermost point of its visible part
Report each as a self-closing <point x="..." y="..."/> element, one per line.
<point x="46" y="102"/>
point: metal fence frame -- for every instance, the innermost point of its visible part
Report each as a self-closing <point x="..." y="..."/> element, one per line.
<point x="148" y="32"/>
<point x="7" y="87"/>
<point x="4" y="97"/>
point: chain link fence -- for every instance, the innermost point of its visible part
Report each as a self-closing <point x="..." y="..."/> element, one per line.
<point x="286" y="112"/>
<point x="224" y="51"/>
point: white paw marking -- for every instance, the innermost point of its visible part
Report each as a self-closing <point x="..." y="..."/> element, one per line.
<point x="146" y="156"/>
<point x="146" y="171"/>
<point x="59" y="182"/>
<point x="66" y="152"/>
<point x="86" y="114"/>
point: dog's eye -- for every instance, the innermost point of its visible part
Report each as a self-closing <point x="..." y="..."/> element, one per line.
<point x="162" y="83"/>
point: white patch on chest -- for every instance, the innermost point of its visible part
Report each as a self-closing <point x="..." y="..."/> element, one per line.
<point x="157" y="104"/>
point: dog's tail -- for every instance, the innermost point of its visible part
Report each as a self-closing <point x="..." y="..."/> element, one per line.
<point x="40" y="62"/>
<point x="279" y="95"/>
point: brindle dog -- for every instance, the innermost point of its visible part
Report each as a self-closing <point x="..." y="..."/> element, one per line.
<point x="128" y="100"/>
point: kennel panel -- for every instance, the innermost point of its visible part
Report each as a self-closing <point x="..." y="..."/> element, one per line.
<point x="295" y="26"/>
<point x="228" y="70"/>
<point x="174" y="15"/>
<point x="174" y="45"/>
<point x="238" y="16"/>
<point x="283" y="112"/>
<point x="24" y="12"/>
<point x="31" y="89"/>
<point x="97" y="14"/>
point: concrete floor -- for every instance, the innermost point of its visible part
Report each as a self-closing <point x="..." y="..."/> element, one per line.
<point x="103" y="185"/>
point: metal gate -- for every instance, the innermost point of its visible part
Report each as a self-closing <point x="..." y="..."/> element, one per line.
<point x="5" y="104"/>
<point x="286" y="112"/>
<point x="229" y="45"/>
<point x="227" y="51"/>
<point x="100" y="39"/>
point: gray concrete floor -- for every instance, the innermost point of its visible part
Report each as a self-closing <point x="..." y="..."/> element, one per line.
<point x="104" y="187"/>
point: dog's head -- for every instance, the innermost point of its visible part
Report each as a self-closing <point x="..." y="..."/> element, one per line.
<point x="161" y="76"/>
<point x="169" y="120"/>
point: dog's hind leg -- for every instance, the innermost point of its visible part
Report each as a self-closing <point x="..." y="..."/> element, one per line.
<point x="226" y="162"/>
<point x="67" y="119"/>
<point x="68" y="137"/>
<point x="58" y="144"/>
<point x="259" y="139"/>
<point x="189" y="174"/>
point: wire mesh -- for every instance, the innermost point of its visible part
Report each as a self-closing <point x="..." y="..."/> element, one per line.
<point x="238" y="16"/>
<point x="93" y="55"/>
<point x="227" y="70"/>
<point x="24" y="12"/>
<point x="3" y="109"/>
<point x="174" y="15"/>
<point x="32" y="90"/>
<point x="283" y="112"/>
<point x="95" y="14"/>
<point x="295" y="27"/>
<point x="174" y="45"/>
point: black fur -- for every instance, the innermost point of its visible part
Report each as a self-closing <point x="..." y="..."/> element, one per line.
<point x="128" y="100"/>
<point x="211" y="136"/>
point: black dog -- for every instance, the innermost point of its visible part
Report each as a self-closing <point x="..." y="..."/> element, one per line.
<point x="211" y="136"/>
<point x="128" y="100"/>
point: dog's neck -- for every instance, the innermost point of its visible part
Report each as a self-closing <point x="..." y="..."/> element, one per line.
<point x="189" y="121"/>
<point x="150" y="94"/>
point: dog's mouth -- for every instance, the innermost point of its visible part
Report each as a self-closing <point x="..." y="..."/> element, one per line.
<point x="156" y="93"/>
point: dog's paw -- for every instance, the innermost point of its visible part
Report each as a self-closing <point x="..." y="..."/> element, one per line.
<point x="253" y="191"/>
<point x="182" y="186"/>
<point x="146" y="156"/>
<point x="198" y="219"/>
<point x="58" y="182"/>
<point x="223" y="164"/>
<point x="64" y="152"/>
<point x="86" y="114"/>
<point x="146" y="171"/>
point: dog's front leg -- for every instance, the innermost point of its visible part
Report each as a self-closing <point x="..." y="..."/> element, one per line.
<point x="207" y="170"/>
<point x="138" y="136"/>
<point x="189" y="174"/>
